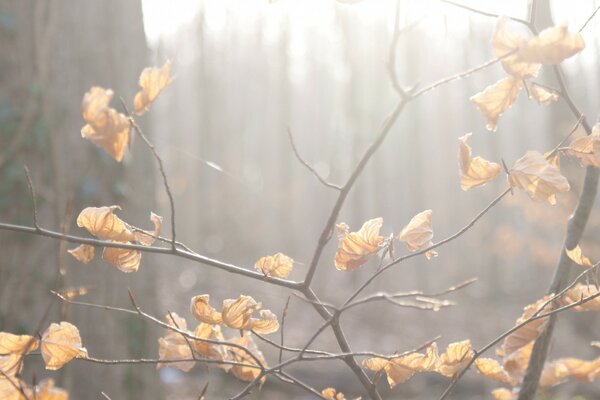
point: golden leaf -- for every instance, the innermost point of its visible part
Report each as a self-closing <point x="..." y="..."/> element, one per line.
<point x="356" y="247"/>
<point x="148" y="238"/>
<point x="152" y="81"/>
<point x="577" y="256"/>
<point x="515" y="364"/>
<point x="17" y="344"/>
<point x="71" y="293"/>
<point x="83" y="253"/>
<point x="400" y="369"/>
<point x="553" y="373"/>
<point x="581" y="370"/>
<point x="503" y="394"/>
<point x="125" y="260"/>
<point x="278" y="265"/>
<point x="46" y="390"/>
<point x="497" y="98"/>
<point x="538" y="177"/>
<point x="105" y="126"/>
<point x="540" y="94"/>
<point x="204" y="312"/>
<point x="504" y="42"/>
<point x="210" y="350"/>
<point x="579" y="292"/>
<point x="60" y="344"/>
<point x="11" y="364"/>
<point x="8" y="388"/>
<point x="587" y="148"/>
<point x="552" y="46"/>
<point x="247" y="373"/>
<point x="237" y="313"/>
<point x="455" y="358"/>
<point x="474" y="171"/>
<point x="104" y="224"/>
<point x="493" y="370"/>
<point x="528" y="332"/>
<point x="267" y="323"/>
<point x="418" y="233"/>
<point x="175" y="346"/>
<point x="332" y="394"/>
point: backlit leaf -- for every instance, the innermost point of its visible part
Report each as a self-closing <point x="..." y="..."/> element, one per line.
<point x="147" y="238"/>
<point x="552" y="46"/>
<point x="266" y="323"/>
<point x="83" y="253"/>
<point x="175" y="346"/>
<point x="17" y="344"/>
<point x="105" y="126"/>
<point x="104" y="224"/>
<point x="247" y="373"/>
<point x="46" y="390"/>
<point x="355" y="248"/>
<point x="210" y="350"/>
<point x="332" y="394"/>
<point x="204" y="312"/>
<point x="493" y="370"/>
<point x="538" y="177"/>
<point x="577" y="256"/>
<point x="553" y="373"/>
<point x="152" y="81"/>
<point x="8" y="388"/>
<point x="504" y="42"/>
<point x="503" y="394"/>
<point x="237" y="313"/>
<point x="278" y="265"/>
<point x="581" y="370"/>
<point x="418" y="233"/>
<point x="60" y="344"/>
<point x="540" y="94"/>
<point x="580" y="292"/>
<point x="496" y="99"/>
<point x="455" y="358"/>
<point x="528" y="332"/>
<point x="125" y="260"/>
<point x="474" y="171"/>
<point x="11" y="364"/>
<point x="587" y="148"/>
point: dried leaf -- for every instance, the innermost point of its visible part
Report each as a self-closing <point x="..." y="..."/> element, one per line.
<point x="210" y="350"/>
<point x="496" y="99"/>
<point x="528" y="332"/>
<point x="204" y="312"/>
<point x="104" y="224"/>
<point x="503" y="394"/>
<point x="8" y="388"/>
<point x="577" y="256"/>
<point x="356" y="247"/>
<point x="505" y="42"/>
<point x="553" y="373"/>
<point x="578" y="293"/>
<point x="148" y="238"/>
<point x="418" y="233"/>
<point x="46" y="390"/>
<point x="581" y="370"/>
<point x="247" y="373"/>
<point x="538" y="177"/>
<point x="587" y="148"/>
<point x="493" y="370"/>
<point x="125" y="260"/>
<point x="11" y="364"/>
<point x="516" y="363"/>
<point x="105" y="126"/>
<point x="60" y="344"/>
<point x="455" y="358"/>
<point x="175" y="346"/>
<point x="474" y="171"/>
<point x="17" y="344"/>
<point x="278" y="265"/>
<point x="552" y="46"/>
<point x="152" y="81"/>
<point x="332" y="394"/>
<point x="83" y="253"/>
<point x="73" y="292"/>
<point x="237" y="313"/>
<point x="401" y="369"/>
<point x="540" y="94"/>
<point x="266" y="323"/>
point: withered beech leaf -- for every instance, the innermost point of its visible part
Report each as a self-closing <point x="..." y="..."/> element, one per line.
<point x="540" y="94"/>
<point x="355" y="248"/>
<point x="46" y="390"/>
<point x="152" y="81"/>
<point x="251" y="372"/>
<point x="147" y="238"/>
<point x="9" y="388"/>
<point x="456" y="357"/>
<point x="60" y="344"/>
<point x="104" y="224"/>
<point x="538" y="177"/>
<point x="332" y="394"/>
<point x="528" y="332"/>
<point x="266" y="323"/>
<point x="11" y="364"/>
<point x="418" y="233"/>
<point x="175" y="346"/>
<point x="237" y="313"/>
<point x="210" y="350"/>
<point x="17" y="344"/>
<point x="474" y="171"/>
<point x="552" y="46"/>
<point x="83" y="253"/>
<point x="402" y="368"/>
<point x="515" y="364"/>
<point x="580" y="292"/>
<point x="278" y="265"/>
<point x="105" y="126"/>
<point x="125" y="260"/>
<point x="503" y="394"/>
<point x="581" y="370"/>
<point x="204" y="312"/>
<point x="587" y="148"/>
<point x="553" y="373"/>
<point x="496" y="99"/>
<point x="493" y="370"/>
<point x="505" y="42"/>
<point x="577" y="256"/>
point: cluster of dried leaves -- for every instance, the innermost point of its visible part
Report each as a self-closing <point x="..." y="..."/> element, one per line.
<point x="59" y="344"/>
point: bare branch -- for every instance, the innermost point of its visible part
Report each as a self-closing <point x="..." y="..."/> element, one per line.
<point x="307" y="165"/>
<point x="33" y="197"/>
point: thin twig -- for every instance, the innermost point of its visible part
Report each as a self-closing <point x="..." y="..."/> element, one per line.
<point x="33" y="198"/>
<point x="283" y="316"/>
<point x="587" y="21"/>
